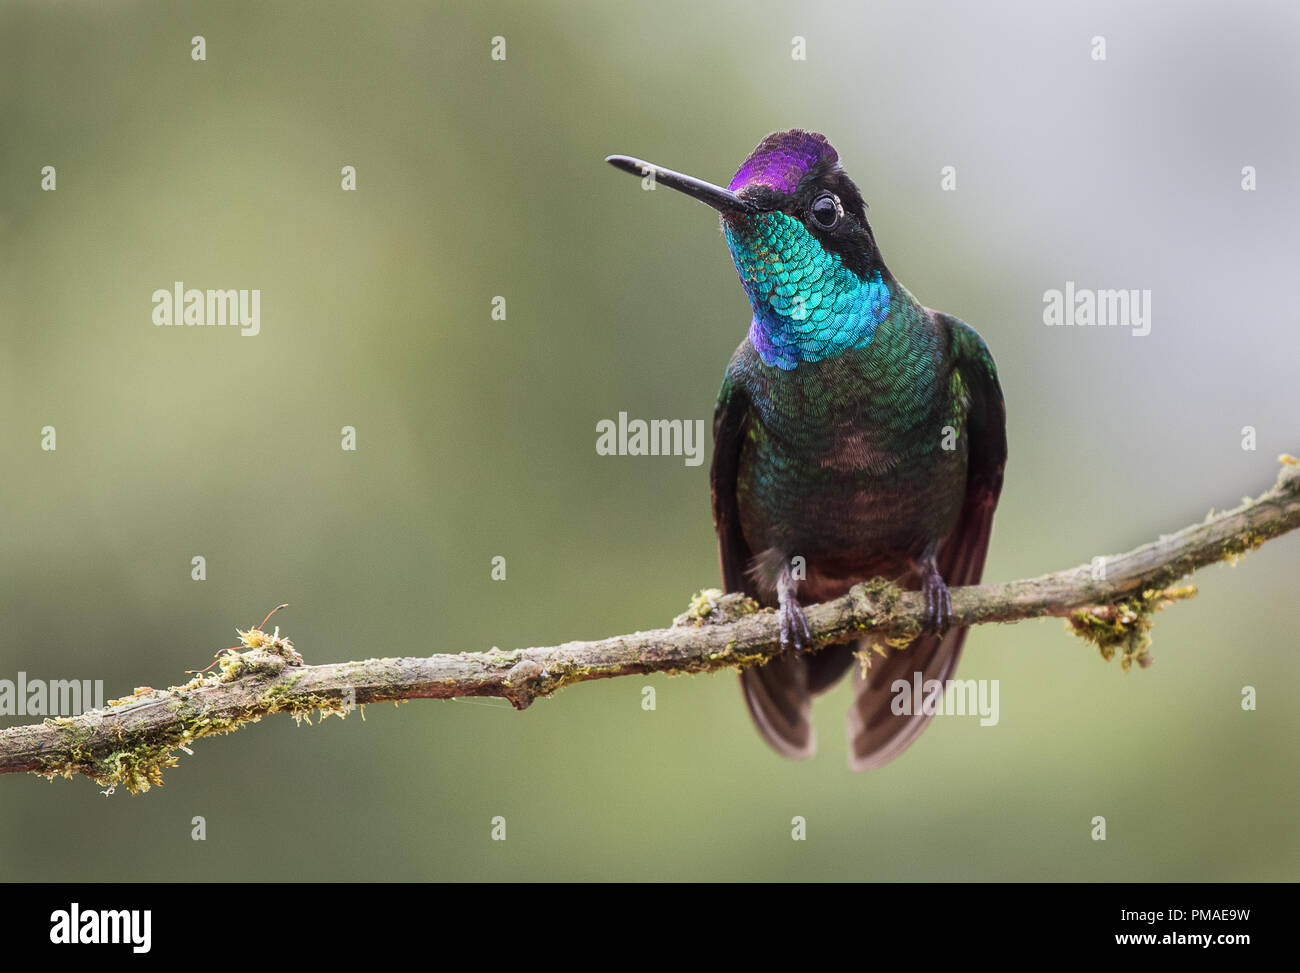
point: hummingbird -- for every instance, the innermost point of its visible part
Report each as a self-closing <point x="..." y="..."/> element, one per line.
<point x="857" y="434"/>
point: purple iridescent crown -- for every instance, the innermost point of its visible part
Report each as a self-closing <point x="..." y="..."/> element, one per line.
<point x="782" y="159"/>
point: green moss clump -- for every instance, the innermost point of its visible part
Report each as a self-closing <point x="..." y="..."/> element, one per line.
<point x="877" y="596"/>
<point x="1237" y="547"/>
<point x="712" y="607"/>
<point x="137" y="769"/>
<point x="140" y="766"/>
<point x="1125" y="625"/>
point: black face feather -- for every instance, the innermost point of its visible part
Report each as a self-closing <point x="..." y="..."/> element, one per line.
<point x="851" y="235"/>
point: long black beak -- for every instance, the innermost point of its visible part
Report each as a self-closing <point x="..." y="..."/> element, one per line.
<point x="723" y="200"/>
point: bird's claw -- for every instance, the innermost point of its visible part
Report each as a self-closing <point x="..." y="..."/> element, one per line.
<point x="795" y="633"/>
<point x="938" y="604"/>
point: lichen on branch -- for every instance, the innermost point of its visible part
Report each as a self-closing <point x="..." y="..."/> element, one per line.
<point x="1109" y="602"/>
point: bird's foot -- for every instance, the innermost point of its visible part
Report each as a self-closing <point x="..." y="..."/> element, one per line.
<point x="795" y="633"/>
<point x="938" y="603"/>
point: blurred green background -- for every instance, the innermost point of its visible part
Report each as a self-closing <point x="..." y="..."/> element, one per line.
<point x="476" y="438"/>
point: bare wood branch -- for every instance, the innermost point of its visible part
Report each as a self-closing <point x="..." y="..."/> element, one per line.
<point x="1109" y="602"/>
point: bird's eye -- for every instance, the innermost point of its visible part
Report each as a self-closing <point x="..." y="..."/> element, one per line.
<point x="825" y="211"/>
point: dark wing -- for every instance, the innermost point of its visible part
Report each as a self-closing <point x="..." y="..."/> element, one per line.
<point x="730" y="427"/>
<point x="876" y="734"/>
<point x="776" y="693"/>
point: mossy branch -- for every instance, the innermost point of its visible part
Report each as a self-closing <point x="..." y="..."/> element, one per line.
<point x="1108" y="602"/>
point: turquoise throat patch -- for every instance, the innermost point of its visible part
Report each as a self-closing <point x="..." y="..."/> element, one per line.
<point x="807" y="305"/>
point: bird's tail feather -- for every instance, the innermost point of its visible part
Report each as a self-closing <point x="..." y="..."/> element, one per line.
<point x="779" y="696"/>
<point x="885" y="717"/>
